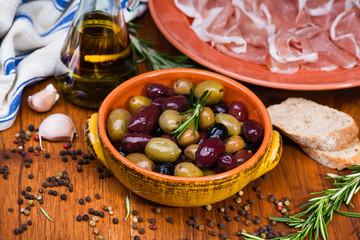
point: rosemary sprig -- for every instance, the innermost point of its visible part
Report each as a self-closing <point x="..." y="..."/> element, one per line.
<point x="320" y="210"/>
<point x="155" y="59"/>
<point x="45" y="213"/>
<point x="127" y="202"/>
<point x="195" y="109"/>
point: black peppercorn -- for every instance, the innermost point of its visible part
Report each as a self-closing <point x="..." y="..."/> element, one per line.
<point x="97" y="196"/>
<point x="221" y="225"/>
<point x="96" y="213"/>
<point x="88" y="199"/>
<point x="213" y="233"/>
<point x="55" y="193"/>
<point x="28" y="189"/>
<point x="79" y="168"/>
<point x="63" y="197"/>
<point x="140" y="219"/>
<point x="136" y="238"/>
<point x="80" y="162"/>
<point x="170" y="220"/>
<point x="10" y="209"/>
<point x="101" y="176"/>
<point x="115" y="220"/>
<point x="78" y="218"/>
<point x="16" y="231"/>
<point x="6" y="156"/>
<point x="101" y="214"/>
<point x="81" y="201"/>
<point x="85" y="217"/>
<point x="20" y="201"/>
<point x="91" y="211"/>
<point x="228" y="218"/>
<point x="64" y="159"/>
<point x="152" y="220"/>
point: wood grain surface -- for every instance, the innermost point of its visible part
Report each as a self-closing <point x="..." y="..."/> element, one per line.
<point x="296" y="176"/>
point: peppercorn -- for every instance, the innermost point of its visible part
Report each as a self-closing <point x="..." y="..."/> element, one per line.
<point x="213" y="233"/>
<point x="100" y="238"/>
<point x="96" y="213"/>
<point x="156" y="210"/>
<point x="85" y="217"/>
<point x="222" y="210"/>
<point x="220" y="225"/>
<point x="111" y="213"/>
<point x="261" y="196"/>
<point x="31" y="203"/>
<point x="97" y="196"/>
<point x="232" y="207"/>
<point x="115" y="220"/>
<point x="20" y="201"/>
<point x="101" y="176"/>
<point x="107" y="174"/>
<point x="96" y="231"/>
<point x="237" y="218"/>
<point x="80" y="161"/>
<point x="141" y="230"/>
<point x="99" y="169"/>
<point x="45" y="185"/>
<point x="153" y="227"/>
<point x="74" y="157"/>
<point x="28" y="189"/>
<point x="88" y="199"/>
<point x="86" y="161"/>
<point x="27" y="165"/>
<point x="134" y="212"/>
<point x="71" y="189"/>
<point x="136" y="238"/>
<point x="26" y="212"/>
<point x="228" y="218"/>
<point x="78" y="152"/>
<point x="78" y="218"/>
<point x="170" y="220"/>
<point x="10" y="210"/>
<point x="196" y="225"/>
<point x="251" y="201"/>
<point x="95" y="218"/>
<point x="222" y="236"/>
<point x="257" y="221"/>
<point x="248" y="217"/>
<point x="16" y="231"/>
<point x="247" y="222"/>
<point x="79" y="168"/>
<point x="92" y="223"/>
<point x="63" y="197"/>
<point x="237" y="200"/>
<point x="6" y="156"/>
<point x="190" y="222"/>
<point x="28" y="208"/>
<point x="152" y="220"/>
<point x="140" y="219"/>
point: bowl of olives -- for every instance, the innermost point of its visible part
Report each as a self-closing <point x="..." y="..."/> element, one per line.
<point x="184" y="137"/>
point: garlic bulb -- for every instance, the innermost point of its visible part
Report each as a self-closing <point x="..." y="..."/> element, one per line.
<point x="57" y="127"/>
<point x="44" y="100"/>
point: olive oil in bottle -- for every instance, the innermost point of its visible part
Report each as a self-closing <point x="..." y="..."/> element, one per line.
<point x="97" y="56"/>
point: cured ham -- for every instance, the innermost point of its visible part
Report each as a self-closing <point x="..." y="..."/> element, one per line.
<point x="309" y="34"/>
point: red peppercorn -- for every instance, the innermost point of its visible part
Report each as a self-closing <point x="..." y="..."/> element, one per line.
<point x="16" y="141"/>
<point x="248" y="212"/>
<point x="279" y="208"/>
<point x="37" y="153"/>
<point x="153" y="227"/>
<point x="27" y="156"/>
<point x="36" y="137"/>
<point x="66" y="145"/>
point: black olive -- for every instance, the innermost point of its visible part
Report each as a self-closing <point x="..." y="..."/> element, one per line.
<point x="165" y="168"/>
<point x="217" y="130"/>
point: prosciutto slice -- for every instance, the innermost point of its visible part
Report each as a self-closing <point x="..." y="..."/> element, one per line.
<point x="284" y="35"/>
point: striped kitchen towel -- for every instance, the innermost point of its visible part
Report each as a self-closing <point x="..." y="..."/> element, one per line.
<point x="32" y="33"/>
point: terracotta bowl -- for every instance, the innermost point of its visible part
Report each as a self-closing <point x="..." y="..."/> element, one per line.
<point x="182" y="191"/>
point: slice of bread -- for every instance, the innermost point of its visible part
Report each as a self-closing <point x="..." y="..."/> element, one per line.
<point x="313" y="125"/>
<point x="336" y="159"/>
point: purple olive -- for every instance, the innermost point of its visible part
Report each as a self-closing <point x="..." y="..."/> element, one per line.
<point x="225" y="162"/>
<point x="177" y="103"/>
<point x="253" y="131"/>
<point x="238" y="110"/>
<point x="158" y="102"/>
<point x="168" y="136"/>
<point x="156" y="90"/>
<point x="209" y="151"/>
<point x="242" y="156"/>
<point x="145" y="120"/>
<point x="220" y="107"/>
<point x="202" y="137"/>
<point x="135" y="142"/>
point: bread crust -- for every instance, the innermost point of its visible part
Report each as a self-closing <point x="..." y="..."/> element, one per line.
<point x="336" y="159"/>
<point x="335" y="140"/>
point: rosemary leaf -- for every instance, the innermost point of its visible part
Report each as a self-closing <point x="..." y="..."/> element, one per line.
<point x="348" y="214"/>
<point x="46" y="215"/>
<point x="127" y="202"/>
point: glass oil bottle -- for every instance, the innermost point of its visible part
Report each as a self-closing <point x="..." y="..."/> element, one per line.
<point x="97" y="54"/>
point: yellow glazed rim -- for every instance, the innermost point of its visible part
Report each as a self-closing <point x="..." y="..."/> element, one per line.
<point x="143" y="79"/>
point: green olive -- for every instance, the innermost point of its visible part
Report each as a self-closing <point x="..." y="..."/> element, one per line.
<point x="234" y="144"/>
<point x="187" y="169"/>
<point x="185" y="117"/>
<point x="231" y="123"/>
<point x="182" y="86"/>
<point x="141" y="160"/>
<point x="209" y="171"/>
<point x="116" y="124"/>
<point x="217" y="91"/>
<point x="169" y="120"/>
<point x="206" y="118"/>
<point x="162" y="150"/>
<point x="190" y="151"/>
<point x="137" y="102"/>
<point x="188" y="137"/>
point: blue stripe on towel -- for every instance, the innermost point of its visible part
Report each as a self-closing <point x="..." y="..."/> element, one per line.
<point x="24" y="15"/>
<point x="9" y="65"/>
<point x="66" y="20"/>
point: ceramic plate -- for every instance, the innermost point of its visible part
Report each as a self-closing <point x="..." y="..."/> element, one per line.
<point x="174" y="25"/>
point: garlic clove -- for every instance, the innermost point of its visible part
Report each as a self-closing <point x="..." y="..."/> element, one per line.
<point x="44" y="100"/>
<point x="57" y="127"/>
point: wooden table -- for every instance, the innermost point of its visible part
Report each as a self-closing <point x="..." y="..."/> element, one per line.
<point x="296" y="176"/>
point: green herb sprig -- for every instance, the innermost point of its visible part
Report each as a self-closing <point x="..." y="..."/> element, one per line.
<point x="194" y="111"/>
<point x="127" y="203"/>
<point x="321" y="209"/>
<point x="45" y="213"/>
<point x="156" y="60"/>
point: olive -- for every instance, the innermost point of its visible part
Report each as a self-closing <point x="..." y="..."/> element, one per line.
<point x="206" y="118"/>
<point x="162" y="150"/>
<point x="156" y="90"/>
<point x="182" y="86"/>
<point x="166" y="168"/>
<point x="141" y="160"/>
<point x="234" y="144"/>
<point x="185" y="117"/>
<point x="202" y="137"/>
<point x="242" y="156"/>
<point x="217" y="130"/>
<point x="208" y="152"/>
<point x="209" y="171"/>
<point x="225" y="162"/>
<point x="181" y="159"/>
<point x="168" y="136"/>
<point x="253" y="131"/>
<point x="190" y="151"/>
<point x="220" y="107"/>
<point x="217" y="91"/>
<point x="230" y="122"/>
<point x="117" y="124"/>
<point x="188" y="137"/>
<point x="187" y="169"/>
<point x="135" y="142"/>
<point x="238" y="110"/>
<point x="177" y="103"/>
<point x="144" y="120"/>
<point x="158" y="102"/>
<point x="120" y="148"/>
<point x="169" y="120"/>
<point x="138" y="101"/>
<point x="156" y="132"/>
